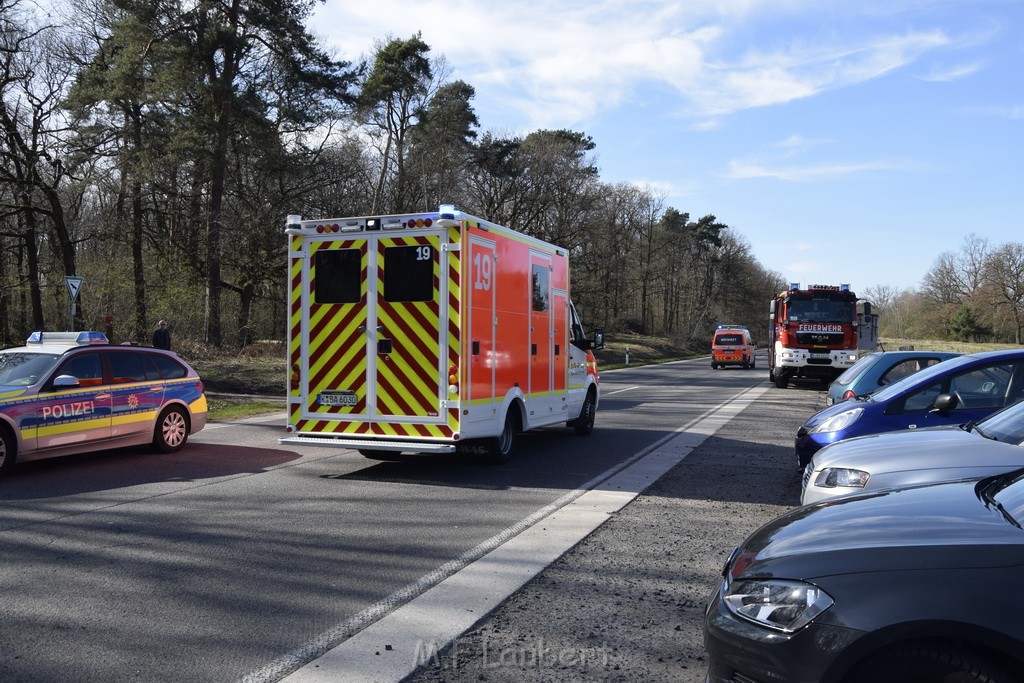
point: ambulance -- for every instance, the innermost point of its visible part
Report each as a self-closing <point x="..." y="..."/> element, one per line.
<point x="432" y="332"/>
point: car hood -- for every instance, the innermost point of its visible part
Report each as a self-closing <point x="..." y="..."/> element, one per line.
<point x="934" y="448"/>
<point x="9" y="392"/>
<point x="943" y="526"/>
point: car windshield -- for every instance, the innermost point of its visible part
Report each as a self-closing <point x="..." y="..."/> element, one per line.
<point x="1006" y="492"/>
<point x="923" y="376"/>
<point x="1007" y="425"/>
<point x="855" y="370"/>
<point x="22" y="368"/>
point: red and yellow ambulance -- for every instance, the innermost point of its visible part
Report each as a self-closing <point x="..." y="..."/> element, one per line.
<point x="432" y="333"/>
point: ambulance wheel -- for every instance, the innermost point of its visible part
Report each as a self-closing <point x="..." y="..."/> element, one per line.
<point x="714" y="366"/>
<point x="499" y="449"/>
<point x="171" y="430"/>
<point x="753" y="362"/>
<point x="584" y="424"/>
<point x="8" y="449"/>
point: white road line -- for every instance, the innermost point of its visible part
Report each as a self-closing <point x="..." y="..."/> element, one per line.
<point x="389" y="640"/>
<point x="618" y="391"/>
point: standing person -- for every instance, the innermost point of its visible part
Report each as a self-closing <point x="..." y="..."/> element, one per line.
<point x="162" y="336"/>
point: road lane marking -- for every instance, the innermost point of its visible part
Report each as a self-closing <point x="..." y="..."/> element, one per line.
<point x="389" y="640"/>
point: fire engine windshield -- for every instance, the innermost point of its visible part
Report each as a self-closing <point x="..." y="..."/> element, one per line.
<point x="822" y="311"/>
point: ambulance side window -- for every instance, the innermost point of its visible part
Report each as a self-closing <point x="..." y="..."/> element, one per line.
<point x="85" y="367"/>
<point x="339" y="274"/>
<point x="409" y="273"/>
<point x="541" y="288"/>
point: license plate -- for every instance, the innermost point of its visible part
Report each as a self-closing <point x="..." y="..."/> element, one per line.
<point x="347" y="398"/>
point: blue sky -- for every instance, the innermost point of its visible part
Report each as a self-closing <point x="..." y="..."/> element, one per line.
<point x="845" y="141"/>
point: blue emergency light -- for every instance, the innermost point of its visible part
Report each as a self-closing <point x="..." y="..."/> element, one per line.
<point x="67" y="338"/>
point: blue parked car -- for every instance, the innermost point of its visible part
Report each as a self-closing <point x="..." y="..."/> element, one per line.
<point x="880" y="369"/>
<point x="954" y="391"/>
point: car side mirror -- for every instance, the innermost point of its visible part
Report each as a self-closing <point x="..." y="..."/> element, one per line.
<point x="65" y="381"/>
<point x="945" y="403"/>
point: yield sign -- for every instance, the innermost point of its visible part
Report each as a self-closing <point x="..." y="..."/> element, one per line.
<point x="74" y="285"/>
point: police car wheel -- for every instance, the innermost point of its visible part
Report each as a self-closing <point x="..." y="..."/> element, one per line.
<point x="8" y="449"/>
<point x="171" y="430"/>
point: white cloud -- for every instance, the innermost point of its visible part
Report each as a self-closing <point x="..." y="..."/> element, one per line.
<point x="741" y="170"/>
<point x="558" y="63"/>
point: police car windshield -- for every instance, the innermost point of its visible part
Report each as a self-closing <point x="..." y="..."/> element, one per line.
<point x="20" y="368"/>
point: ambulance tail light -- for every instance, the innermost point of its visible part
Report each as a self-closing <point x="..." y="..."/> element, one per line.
<point x="453" y="379"/>
<point x="294" y="380"/>
<point x="420" y="222"/>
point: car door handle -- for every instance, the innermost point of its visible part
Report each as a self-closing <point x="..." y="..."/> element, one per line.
<point x="102" y="397"/>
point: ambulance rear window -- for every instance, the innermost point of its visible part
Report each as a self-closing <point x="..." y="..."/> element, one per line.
<point x="729" y="340"/>
<point x="409" y="273"/>
<point x="339" y="274"/>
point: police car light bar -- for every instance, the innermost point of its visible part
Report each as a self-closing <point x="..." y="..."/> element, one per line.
<point x="67" y="338"/>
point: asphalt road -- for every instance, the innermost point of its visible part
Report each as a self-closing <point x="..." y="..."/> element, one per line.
<point x="240" y="559"/>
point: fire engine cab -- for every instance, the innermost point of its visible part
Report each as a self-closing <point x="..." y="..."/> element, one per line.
<point x="817" y="332"/>
<point x="432" y="333"/>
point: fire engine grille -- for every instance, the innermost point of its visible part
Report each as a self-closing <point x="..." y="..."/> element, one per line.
<point x="820" y="338"/>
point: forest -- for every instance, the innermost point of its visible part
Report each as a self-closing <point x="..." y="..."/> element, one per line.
<point x="153" y="148"/>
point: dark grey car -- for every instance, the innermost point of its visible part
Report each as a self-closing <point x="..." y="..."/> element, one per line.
<point x="918" y="584"/>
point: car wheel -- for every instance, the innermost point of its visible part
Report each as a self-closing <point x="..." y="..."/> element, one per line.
<point x="584" y="424"/>
<point x="8" y="449"/>
<point x="499" y="449"/>
<point x="927" y="662"/>
<point x="171" y="430"/>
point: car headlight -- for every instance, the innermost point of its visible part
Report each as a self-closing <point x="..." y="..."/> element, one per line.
<point x="832" y="477"/>
<point x="838" y="422"/>
<point x="785" y="606"/>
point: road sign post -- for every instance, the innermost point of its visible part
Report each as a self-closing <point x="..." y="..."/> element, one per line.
<point x="74" y="284"/>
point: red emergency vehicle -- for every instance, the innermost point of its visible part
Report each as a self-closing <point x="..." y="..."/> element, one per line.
<point x="817" y="332"/>
<point x="431" y="333"/>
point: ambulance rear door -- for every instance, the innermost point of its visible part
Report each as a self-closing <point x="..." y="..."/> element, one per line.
<point x="375" y="341"/>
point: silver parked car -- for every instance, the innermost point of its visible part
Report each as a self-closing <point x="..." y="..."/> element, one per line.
<point x="917" y="456"/>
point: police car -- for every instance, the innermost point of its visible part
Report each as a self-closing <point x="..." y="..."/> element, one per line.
<point x="74" y="392"/>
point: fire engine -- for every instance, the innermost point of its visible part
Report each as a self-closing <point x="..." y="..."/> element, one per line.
<point x="817" y="332"/>
<point x="432" y="333"/>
